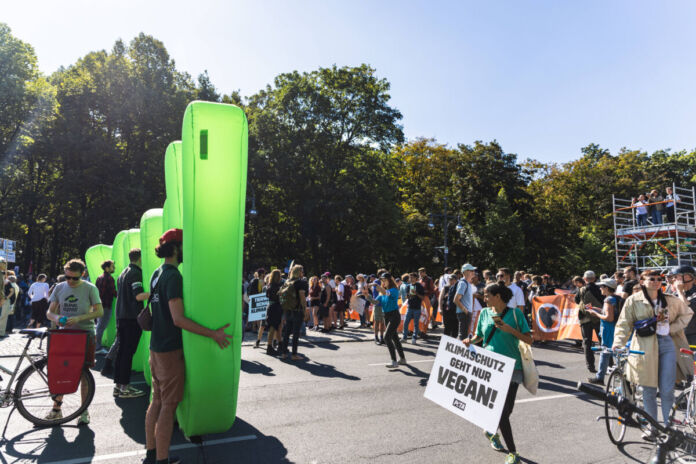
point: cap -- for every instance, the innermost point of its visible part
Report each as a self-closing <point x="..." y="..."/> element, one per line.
<point x="611" y="283"/>
<point x="468" y="267"/>
<point x="172" y="235"/>
<point x="385" y="275"/>
<point x="589" y="275"/>
<point x="684" y="269"/>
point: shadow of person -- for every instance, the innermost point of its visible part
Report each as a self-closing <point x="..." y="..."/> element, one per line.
<point x="243" y="441"/>
<point x="415" y="372"/>
<point x="133" y="411"/>
<point x="256" y="367"/>
<point x="321" y="370"/>
<point x="37" y="445"/>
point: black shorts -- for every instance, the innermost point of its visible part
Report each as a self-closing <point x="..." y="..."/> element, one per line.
<point x="38" y="310"/>
<point x="323" y="312"/>
<point x="314" y="302"/>
<point x="274" y="315"/>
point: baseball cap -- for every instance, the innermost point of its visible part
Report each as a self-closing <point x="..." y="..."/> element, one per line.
<point x="683" y="269"/>
<point x="589" y="275"/>
<point x="611" y="283"/>
<point x="468" y="267"/>
<point x="385" y="275"/>
<point x="172" y="235"/>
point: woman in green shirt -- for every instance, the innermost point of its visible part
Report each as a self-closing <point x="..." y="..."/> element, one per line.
<point x="501" y="329"/>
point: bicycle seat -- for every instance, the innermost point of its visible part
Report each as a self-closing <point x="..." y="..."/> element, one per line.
<point x="34" y="333"/>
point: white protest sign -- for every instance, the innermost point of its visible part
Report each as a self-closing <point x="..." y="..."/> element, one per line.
<point x="357" y="304"/>
<point x="470" y="382"/>
<point x="257" y="307"/>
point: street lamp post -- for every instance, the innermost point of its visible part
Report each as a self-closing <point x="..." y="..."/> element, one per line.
<point x="445" y="224"/>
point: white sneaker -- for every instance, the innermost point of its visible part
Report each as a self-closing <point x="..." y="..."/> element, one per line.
<point x="84" y="418"/>
<point x="54" y="415"/>
<point x="392" y="365"/>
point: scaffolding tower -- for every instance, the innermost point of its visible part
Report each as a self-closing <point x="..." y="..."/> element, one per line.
<point x="656" y="246"/>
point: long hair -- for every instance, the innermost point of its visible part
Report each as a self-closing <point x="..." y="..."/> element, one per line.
<point x="296" y="272"/>
<point x="275" y="276"/>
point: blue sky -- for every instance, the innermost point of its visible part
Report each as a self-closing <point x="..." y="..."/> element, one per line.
<point x="543" y="78"/>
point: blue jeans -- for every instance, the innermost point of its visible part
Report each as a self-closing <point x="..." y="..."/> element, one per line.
<point x="656" y="217"/>
<point x="667" y="375"/>
<point x="642" y="220"/>
<point x="415" y="315"/>
<point x="604" y="359"/>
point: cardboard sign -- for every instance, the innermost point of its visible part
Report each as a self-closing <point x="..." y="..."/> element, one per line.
<point x="258" y="304"/>
<point x="470" y="382"/>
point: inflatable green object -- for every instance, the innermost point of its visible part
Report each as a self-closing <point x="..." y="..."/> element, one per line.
<point x="117" y="256"/>
<point x="150" y="232"/>
<point x="214" y="138"/>
<point x="94" y="257"/>
<point x="173" y="205"/>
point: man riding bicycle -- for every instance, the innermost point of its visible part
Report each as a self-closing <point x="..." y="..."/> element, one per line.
<point x="75" y="304"/>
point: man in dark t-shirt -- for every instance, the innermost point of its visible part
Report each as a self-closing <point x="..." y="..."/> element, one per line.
<point x="129" y="303"/>
<point x="167" y="361"/>
<point x="294" y="318"/>
<point x="107" y="292"/>
<point x="415" y="294"/>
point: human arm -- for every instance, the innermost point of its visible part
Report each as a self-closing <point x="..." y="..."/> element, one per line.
<point x="521" y="331"/>
<point x="684" y="315"/>
<point x="607" y="313"/>
<point x="624" y="324"/>
<point x="176" y="307"/>
<point x="303" y="299"/>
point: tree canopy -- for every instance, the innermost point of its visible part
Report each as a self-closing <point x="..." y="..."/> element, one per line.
<point x="335" y="184"/>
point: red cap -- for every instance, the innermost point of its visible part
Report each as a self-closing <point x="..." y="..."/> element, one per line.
<point x="172" y="235"/>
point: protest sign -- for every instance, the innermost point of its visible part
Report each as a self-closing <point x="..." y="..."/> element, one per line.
<point x="470" y="382"/>
<point x="555" y="317"/>
<point x="257" y="307"/>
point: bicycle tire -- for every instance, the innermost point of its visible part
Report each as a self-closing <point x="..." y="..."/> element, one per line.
<point x="22" y="394"/>
<point x="616" y="425"/>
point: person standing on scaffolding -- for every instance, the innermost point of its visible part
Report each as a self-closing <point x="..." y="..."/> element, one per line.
<point x="672" y="200"/>
<point x="641" y="210"/>
<point x="656" y="207"/>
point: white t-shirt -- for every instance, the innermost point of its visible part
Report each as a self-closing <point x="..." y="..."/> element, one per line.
<point x="442" y="283"/>
<point x="662" y="327"/>
<point x="38" y="291"/>
<point x="517" y="296"/>
<point x="344" y="292"/>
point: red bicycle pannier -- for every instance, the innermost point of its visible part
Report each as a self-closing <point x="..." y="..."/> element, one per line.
<point x="66" y="358"/>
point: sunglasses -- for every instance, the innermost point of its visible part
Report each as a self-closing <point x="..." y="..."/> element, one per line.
<point x="654" y="279"/>
<point x="500" y="276"/>
<point x="72" y="278"/>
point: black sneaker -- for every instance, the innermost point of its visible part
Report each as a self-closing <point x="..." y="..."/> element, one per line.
<point x="595" y="381"/>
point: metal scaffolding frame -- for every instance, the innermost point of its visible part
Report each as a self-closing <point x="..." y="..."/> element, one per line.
<point x="656" y="246"/>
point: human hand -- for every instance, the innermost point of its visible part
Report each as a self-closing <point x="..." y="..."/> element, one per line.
<point x="71" y="321"/>
<point x="503" y="326"/>
<point x="467" y="341"/>
<point x="221" y="338"/>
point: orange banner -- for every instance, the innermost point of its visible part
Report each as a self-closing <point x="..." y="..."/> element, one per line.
<point x="555" y="318"/>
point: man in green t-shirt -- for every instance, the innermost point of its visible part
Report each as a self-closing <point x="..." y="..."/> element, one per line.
<point x="167" y="361"/>
<point x="75" y="304"/>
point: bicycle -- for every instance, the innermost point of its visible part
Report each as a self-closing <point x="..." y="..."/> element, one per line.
<point x="669" y="439"/>
<point x="618" y="385"/>
<point x="31" y="395"/>
<point x="683" y="413"/>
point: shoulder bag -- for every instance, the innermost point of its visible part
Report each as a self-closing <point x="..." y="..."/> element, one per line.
<point x="531" y="375"/>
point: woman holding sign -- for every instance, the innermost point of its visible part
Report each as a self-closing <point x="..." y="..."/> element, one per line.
<point x="501" y="329"/>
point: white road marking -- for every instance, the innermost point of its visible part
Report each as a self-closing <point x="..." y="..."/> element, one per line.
<point x="141" y="452"/>
<point x="409" y="362"/>
<point x="542" y="398"/>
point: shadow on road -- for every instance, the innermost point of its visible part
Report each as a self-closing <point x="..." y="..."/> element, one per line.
<point x="636" y="451"/>
<point x="562" y="346"/>
<point x="555" y="384"/>
<point x="35" y="445"/>
<point x="256" y="367"/>
<point x="321" y="370"/>
<point x="133" y="411"/>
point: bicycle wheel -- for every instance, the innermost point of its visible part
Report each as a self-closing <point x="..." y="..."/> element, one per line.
<point x="616" y="425"/>
<point x="34" y="401"/>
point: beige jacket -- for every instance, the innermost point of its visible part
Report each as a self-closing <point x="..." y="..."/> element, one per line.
<point x="642" y="369"/>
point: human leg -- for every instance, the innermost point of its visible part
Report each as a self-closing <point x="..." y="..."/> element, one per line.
<point x="407" y="321"/>
<point x="667" y="374"/>
<point x="102" y="325"/>
<point x="505" y="427"/>
<point x="463" y="325"/>
<point x="392" y="319"/>
<point x="297" y="320"/>
<point x="129" y="333"/>
<point x="416" y="324"/>
<point x="586" y="329"/>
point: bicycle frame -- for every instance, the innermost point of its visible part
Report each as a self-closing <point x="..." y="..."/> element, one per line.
<point x="6" y="395"/>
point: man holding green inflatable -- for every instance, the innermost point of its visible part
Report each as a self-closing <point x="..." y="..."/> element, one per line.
<point x="166" y="347"/>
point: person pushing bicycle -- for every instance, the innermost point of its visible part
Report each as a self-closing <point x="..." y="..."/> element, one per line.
<point x="75" y="304"/>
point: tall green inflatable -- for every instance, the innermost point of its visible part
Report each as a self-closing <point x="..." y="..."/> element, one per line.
<point x="173" y="172"/>
<point x="117" y="256"/>
<point x="94" y="257"/>
<point x="150" y="232"/>
<point x="214" y="138"/>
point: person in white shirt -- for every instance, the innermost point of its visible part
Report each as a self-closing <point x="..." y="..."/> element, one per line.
<point x="672" y="200"/>
<point x="517" y="299"/>
<point x="38" y="292"/>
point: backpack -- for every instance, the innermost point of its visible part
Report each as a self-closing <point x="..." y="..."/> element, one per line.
<point x="287" y="295"/>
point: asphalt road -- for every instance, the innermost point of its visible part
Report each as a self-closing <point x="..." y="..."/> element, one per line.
<point x="341" y="405"/>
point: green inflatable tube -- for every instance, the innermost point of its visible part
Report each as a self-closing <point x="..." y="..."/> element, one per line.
<point x="150" y="232"/>
<point x="117" y="256"/>
<point x="173" y="205"/>
<point x="94" y="257"/>
<point x="214" y="138"/>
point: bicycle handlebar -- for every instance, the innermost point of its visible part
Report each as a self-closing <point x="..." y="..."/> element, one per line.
<point x="623" y="350"/>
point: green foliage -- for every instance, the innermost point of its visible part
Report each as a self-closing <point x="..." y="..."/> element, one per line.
<point x="334" y="183"/>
